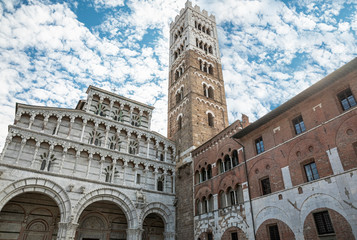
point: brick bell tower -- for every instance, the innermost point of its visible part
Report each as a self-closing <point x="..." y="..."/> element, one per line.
<point x="197" y="108"/>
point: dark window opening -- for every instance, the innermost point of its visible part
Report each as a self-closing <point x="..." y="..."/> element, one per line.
<point x="274" y="232"/>
<point x="323" y="223"/>
<point x="160" y="186"/>
<point x="265" y="186"/>
<point x="234" y="236"/>
<point x="210" y="120"/>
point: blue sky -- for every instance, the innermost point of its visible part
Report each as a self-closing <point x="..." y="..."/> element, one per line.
<point x="51" y="51"/>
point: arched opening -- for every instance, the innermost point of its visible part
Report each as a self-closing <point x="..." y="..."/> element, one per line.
<point x="209" y="171"/>
<point x="153" y="227"/>
<point x="235" y="158"/>
<point x="210" y="120"/>
<point x="210" y="92"/>
<point x="30" y="216"/>
<point x="179" y="123"/>
<point x="100" y="221"/>
<point x="227" y="163"/>
<point x="234" y="233"/>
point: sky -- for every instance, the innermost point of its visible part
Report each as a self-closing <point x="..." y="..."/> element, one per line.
<point x="51" y="51"/>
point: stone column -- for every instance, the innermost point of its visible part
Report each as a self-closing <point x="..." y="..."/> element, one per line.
<point x="89" y="163"/>
<point x="155" y="174"/>
<point x="106" y="136"/>
<point x="45" y="121"/>
<point x="75" y="162"/>
<point x="83" y="127"/>
<point x="7" y="142"/>
<point x="70" y="127"/>
<point x="148" y="148"/>
<point x="164" y="182"/>
<point x="63" y="158"/>
<point x="124" y="171"/>
<point x="32" y="119"/>
<point x="113" y="170"/>
<point x="169" y="235"/>
<point x="110" y="109"/>
<point x="102" y="159"/>
<point x="48" y="157"/>
<point x="59" y="120"/>
<point x="165" y="154"/>
<point x="149" y="120"/>
<point x="89" y="103"/>
<point x="134" y="233"/>
<point x="34" y="155"/>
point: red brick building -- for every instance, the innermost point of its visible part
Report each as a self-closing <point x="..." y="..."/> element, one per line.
<point x="291" y="174"/>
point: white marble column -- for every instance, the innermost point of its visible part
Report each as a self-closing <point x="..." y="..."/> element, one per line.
<point x="70" y="127"/>
<point x="107" y="129"/>
<point x="113" y="170"/>
<point x="32" y="119"/>
<point x="102" y="160"/>
<point x="35" y="153"/>
<point x="45" y="121"/>
<point x="83" y="128"/>
<point x="90" y="158"/>
<point x="63" y="158"/>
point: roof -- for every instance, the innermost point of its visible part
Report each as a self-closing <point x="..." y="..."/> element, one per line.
<point x="315" y="88"/>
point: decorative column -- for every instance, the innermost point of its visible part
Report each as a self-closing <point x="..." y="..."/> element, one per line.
<point x="49" y="156"/>
<point x="113" y="170"/>
<point x="59" y="120"/>
<point x="45" y="121"/>
<point x="155" y="174"/>
<point x="139" y="138"/>
<point x="76" y="161"/>
<point x="148" y="148"/>
<point x="127" y="142"/>
<point x="165" y="153"/>
<point x="173" y="183"/>
<point x="149" y="120"/>
<point x="34" y="155"/>
<point x="63" y="158"/>
<point x="110" y="108"/>
<point x="7" y="142"/>
<point x="146" y="171"/>
<point x="107" y="128"/>
<point x="70" y="127"/>
<point x="89" y="163"/>
<point x="32" y="119"/>
<point x="89" y="103"/>
<point x="124" y="171"/>
<point x="164" y="181"/>
<point x="83" y="127"/>
<point x="102" y="160"/>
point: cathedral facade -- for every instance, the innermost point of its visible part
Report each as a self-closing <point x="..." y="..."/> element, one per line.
<point x="93" y="172"/>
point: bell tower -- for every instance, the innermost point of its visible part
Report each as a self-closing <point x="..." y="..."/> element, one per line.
<point x="197" y="108"/>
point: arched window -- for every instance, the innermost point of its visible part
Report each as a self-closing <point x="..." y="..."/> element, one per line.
<point x="179" y="123"/>
<point x="204" y="205"/>
<point x="160" y="184"/>
<point x="235" y="158"/>
<point x="220" y="166"/>
<point x="198" y="207"/>
<point x="210" y="120"/>
<point x="231" y="197"/>
<point x="197" y="177"/>
<point x="161" y="157"/>
<point x="135" y="120"/>
<point x="100" y="110"/>
<point x="210" y="49"/>
<point x="177" y="75"/>
<point x="133" y="147"/>
<point x="227" y="163"/>
<point x="197" y="42"/>
<point x="176" y="55"/>
<point x="205" y="48"/>
<point x="239" y="195"/>
<point x="204" y="67"/>
<point x="200" y="64"/>
<point x="210" y="203"/>
<point x="203" y="29"/>
<point x="199" y="26"/>
<point x="205" y="93"/>
<point x="222" y="199"/>
<point x="203" y="174"/>
<point x="95" y="138"/>
<point x="210" y="69"/>
<point x="208" y="31"/>
<point x="209" y="171"/>
<point x="195" y="24"/>
<point x="210" y="92"/>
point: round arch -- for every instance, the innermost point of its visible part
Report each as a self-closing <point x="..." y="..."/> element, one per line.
<point x="40" y="185"/>
<point x="111" y="195"/>
<point x="271" y="212"/>
<point x="163" y="211"/>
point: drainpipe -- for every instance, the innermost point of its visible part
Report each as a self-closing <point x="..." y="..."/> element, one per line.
<point x="246" y="174"/>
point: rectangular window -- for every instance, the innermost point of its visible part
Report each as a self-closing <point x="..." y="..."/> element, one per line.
<point x="299" y="125"/>
<point x="138" y="177"/>
<point x="274" y="232"/>
<point x="323" y="223"/>
<point x="234" y="236"/>
<point x="210" y="236"/>
<point x="265" y="186"/>
<point x="311" y="172"/>
<point x="347" y="99"/>
<point x="259" y="145"/>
